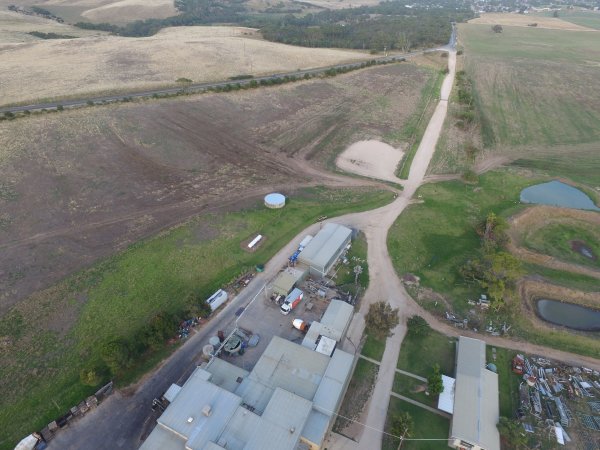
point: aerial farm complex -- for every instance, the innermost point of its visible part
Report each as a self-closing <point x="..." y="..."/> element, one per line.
<point x="290" y="397"/>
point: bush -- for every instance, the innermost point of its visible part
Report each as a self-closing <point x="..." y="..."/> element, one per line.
<point x="435" y="385"/>
<point x="60" y="108"/>
<point x="417" y="326"/>
<point x="116" y="355"/>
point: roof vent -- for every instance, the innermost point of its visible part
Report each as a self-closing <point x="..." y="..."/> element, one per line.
<point x="292" y="430"/>
<point x="190" y="419"/>
<point x="207" y="410"/>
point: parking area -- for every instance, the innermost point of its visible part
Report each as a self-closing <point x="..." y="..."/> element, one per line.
<point x="264" y="318"/>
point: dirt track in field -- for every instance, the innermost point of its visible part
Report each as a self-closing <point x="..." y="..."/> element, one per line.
<point x="78" y="186"/>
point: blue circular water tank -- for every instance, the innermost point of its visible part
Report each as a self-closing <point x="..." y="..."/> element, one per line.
<point x="275" y="200"/>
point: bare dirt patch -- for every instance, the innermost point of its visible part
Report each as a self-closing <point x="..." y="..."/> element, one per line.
<point x="372" y="159"/>
<point x="522" y="20"/>
<point x="80" y="185"/>
<point x="54" y="68"/>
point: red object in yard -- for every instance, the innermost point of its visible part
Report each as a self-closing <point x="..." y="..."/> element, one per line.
<point x="221" y="335"/>
<point x="518" y="363"/>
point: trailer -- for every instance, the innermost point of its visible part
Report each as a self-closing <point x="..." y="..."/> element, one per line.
<point x="217" y="299"/>
<point x="291" y="301"/>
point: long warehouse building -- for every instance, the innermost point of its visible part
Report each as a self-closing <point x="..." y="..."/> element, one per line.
<point x="325" y="248"/>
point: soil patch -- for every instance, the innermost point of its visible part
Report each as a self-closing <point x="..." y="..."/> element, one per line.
<point x="372" y="159"/>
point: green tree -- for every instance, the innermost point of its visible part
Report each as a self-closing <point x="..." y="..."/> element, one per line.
<point x="402" y="425"/>
<point x="417" y="326"/>
<point x="116" y="355"/>
<point x="493" y="232"/>
<point x="497" y="28"/>
<point x="512" y="435"/>
<point x="435" y="385"/>
<point x="381" y="319"/>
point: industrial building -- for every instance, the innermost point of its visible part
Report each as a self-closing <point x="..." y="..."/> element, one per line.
<point x="476" y="403"/>
<point x="287" y="280"/>
<point x="332" y="326"/>
<point x="288" y="401"/>
<point x="325" y="248"/>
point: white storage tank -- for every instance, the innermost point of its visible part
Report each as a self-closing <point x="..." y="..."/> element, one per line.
<point x="217" y="299"/>
<point x="275" y="200"/>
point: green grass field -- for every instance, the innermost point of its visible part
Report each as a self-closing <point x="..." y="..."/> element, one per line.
<point x="419" y="354"/>
<point x="357" y="256"/>
<point x="532" y="91"/>
<point x="555" y="239"/>
<point x="508" y="382"/>
<point x="408" y="387"/>
<point x="427" y="425"/>
<point x="373" y="348"/>
<point x="49" y="337"/>
<point x="590" y="19"/>
<point x="433" y="239"/>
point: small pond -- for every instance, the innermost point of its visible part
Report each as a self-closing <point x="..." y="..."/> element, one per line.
<point x="569" y="315"/>
<point x="555" y="193"/>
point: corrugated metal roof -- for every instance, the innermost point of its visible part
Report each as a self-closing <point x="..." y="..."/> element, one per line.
<point x="225" y="374"/>
<point x="285" y="281"/>
<point x="338" y="315"/>
<point x="239" y="430"/>
<point x="286" y="365"/>
<point x="325" y="245"/>
<point x="316" y="427"/>
<point x="193" y="397"/>
<point x="446" y="398"/>
<point x="329" y="395"/>
<point x="281" y="423"/>
<point x="162" y="439"/>
<point x="172" y="392"/>
<point x="476" y="404"/>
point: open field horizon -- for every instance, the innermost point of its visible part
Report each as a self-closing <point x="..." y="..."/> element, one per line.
<point x="58" y="67"/>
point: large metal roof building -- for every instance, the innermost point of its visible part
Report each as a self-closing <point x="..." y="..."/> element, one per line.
<point x="325" y="248"/>
<point x="333" y="324"/>
<point x="288" y="401"/>
<point x="476" y="403"/>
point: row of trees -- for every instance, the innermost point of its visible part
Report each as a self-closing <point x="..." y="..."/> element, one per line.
<point x="120" y="354"/>
<point x="493" y="268"/>
<point x="389" y="25"/>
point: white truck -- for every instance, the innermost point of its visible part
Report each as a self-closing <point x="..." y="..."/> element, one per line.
<point x="291" y="301"/>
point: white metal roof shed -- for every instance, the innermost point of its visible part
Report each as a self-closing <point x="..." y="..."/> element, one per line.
<point x="476" y="404"/>
<point x="446" y="398"/>
<point x="338" y="315"/>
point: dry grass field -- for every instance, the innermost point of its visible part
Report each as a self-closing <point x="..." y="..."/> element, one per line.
<point x="522" y="20"/>
<point x="55" y="68"/>
<point x="78" y="185"/>
<point x="112" y="11"/>
<point x="14" y="28"/>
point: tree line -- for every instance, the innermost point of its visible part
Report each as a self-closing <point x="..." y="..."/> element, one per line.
<point x="390" y="25"/>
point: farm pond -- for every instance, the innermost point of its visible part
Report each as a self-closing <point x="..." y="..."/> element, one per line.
<point x="556" y="193"/>
<point x="569" y="315"/>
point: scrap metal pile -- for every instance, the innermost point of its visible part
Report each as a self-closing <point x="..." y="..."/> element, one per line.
<point x="550" y="390"/>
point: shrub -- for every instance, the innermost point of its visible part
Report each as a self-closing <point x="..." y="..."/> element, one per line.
<point x="417" y="326"/>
